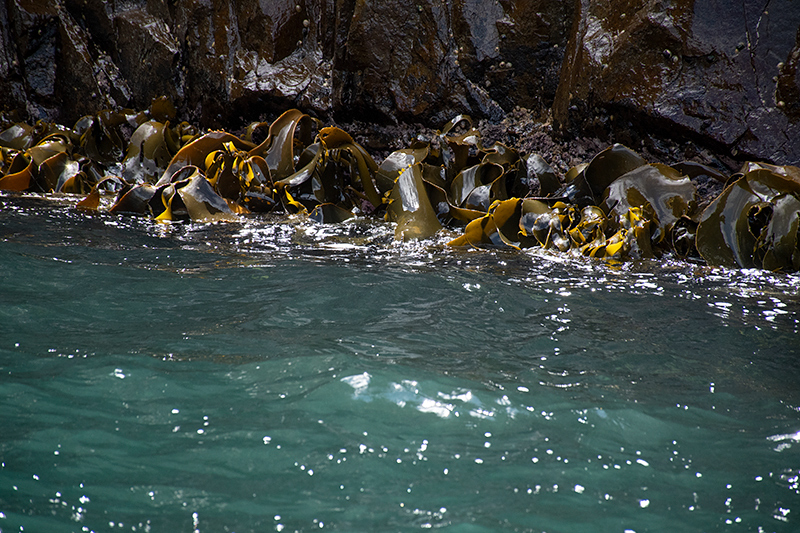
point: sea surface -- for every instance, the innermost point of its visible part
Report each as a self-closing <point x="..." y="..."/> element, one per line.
<point x="279" y="375"/>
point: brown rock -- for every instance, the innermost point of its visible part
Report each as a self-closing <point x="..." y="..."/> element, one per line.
<point x="148" y="56"/>
<point x="726" y="77"/>
<point x="689" y="67"/>
<point x="398" y="59"/>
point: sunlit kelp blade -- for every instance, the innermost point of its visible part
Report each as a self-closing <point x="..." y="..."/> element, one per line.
<point x="56" y="171"/>
<point x="39" y="167"/>
<point x="523" y="223"/>
<point x="410" y="207"/>
<point x="470" y="179"/>
<point x="779" y="241"/>
<point x="195" y="152"/>
<point x="512" y="222"/>
<point x="653" y="188"/>
<point x="202" y="203"/>
<point x="398" y="160"/>
<point x="341" y="149"/>
<point x="338" y="171"/>
<point x="278" y="148"/>
<point x="752" y="222"/>
<point x="149" y="152"/>
<point x="20" y="174"/>
<point x="100" y="137"/>
<point x="18" y="137"/>
<point x="105" y="186"/>
<point x="135" y="200"/>
<point x="609" y="165"/>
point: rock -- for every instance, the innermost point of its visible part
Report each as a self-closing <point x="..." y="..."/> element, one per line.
<point x="11" y="83"/>
<point x="55" y="74"/>
<point x="148" y="54"/>
<point x="787" y="92"/>
<point x="727" y="79"/>
<point x="399" y="60"/>
<point x="430" y="60"/>
<point x="220" y="59"/>
<point x="689" y="68"/>
<point x="522" y="59"/>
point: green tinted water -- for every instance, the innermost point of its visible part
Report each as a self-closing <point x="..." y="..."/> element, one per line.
<point x="289" y="377"/>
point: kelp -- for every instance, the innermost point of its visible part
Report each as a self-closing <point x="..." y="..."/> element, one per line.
<point x="658" y="190"/>
<point x="615" y="207"/>
<point x="47" y="157"/>
<point x="754" y="222"/>
<point x="410" y="206"/>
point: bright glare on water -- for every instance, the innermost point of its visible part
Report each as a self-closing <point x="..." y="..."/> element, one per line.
<point x="285" y="376"/>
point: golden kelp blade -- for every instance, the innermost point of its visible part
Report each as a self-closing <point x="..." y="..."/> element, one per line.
<point x="499" y="226"/>
<point x="652" y="187"/>
<point x="17" y="136"/>
<point x="148" y="153"/>
<point x="330" y="214"/>
<point x="92" y="200"/>
<point x="779" y="240"/>
<point x="341" y="148"/>
<point x="479" y="232"/>
<point x="18" y="180"/>
<point x="202" y="203"/>
<point x="195" y="152"/>
<point x="305" y="173"/>
<point x="56" y="170"/>
<point x="278" y="149"/>
<point x="539" y="168"/>
<point x="410" y="207"/>
<point x="135" y="200"/>
<point x="609" y="165"/>
<point x="471" y="178"/>
<point x="506" y="215"/>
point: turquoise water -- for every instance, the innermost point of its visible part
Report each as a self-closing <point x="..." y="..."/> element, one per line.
<point x="283" y="376"/>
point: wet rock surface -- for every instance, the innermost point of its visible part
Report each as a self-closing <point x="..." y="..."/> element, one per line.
<point x="709" y="71"/>
<point x="708" y="80"/>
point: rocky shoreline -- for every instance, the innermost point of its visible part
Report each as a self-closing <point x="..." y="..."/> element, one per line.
<point x="334" y="108"/>
<point x="615" y="205"/>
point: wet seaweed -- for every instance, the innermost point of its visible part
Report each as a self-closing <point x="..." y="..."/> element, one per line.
<point x="615" y="207"/>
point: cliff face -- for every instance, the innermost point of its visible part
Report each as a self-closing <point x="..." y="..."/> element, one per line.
<point x="725" y="76"/>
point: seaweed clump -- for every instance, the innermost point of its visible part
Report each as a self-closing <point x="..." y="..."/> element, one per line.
<point x="615" y="207"/>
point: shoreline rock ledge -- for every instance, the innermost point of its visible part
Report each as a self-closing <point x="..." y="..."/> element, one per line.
<point x="724" y="76"/>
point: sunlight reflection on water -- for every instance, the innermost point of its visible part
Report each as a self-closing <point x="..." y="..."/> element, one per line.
<point x="286" y="376"/>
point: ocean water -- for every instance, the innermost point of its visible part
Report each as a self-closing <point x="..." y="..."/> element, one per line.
<point x="277" y="375"/>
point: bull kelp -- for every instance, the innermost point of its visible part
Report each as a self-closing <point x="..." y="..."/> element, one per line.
<point x="616" y="207"/>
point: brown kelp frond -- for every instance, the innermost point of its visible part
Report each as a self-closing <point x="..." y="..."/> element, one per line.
<point x="616" y="206"/>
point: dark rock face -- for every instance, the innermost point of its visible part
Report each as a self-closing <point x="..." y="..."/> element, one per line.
<point x="715" y="71"/>
<point x="725" y="76"/>
<point x="429" y="60"/>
